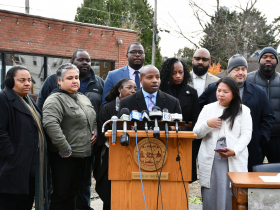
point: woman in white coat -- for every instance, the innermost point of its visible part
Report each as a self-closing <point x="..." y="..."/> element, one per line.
<point x="225" y="126"/>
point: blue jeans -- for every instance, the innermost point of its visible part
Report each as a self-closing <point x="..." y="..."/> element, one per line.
<point x="83" y="198"/>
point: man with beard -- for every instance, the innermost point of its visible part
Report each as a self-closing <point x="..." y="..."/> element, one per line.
<point x="267" y="77"/>
<point x="91" y="86"/>
<point x="254" y="97"/>
<point x="201" y="79"/>
<point x="136" y="58"/>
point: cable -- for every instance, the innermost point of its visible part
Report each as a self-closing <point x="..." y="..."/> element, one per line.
<point x="159" y="184"/>
<point x="140" y="171"/>
<point x="179" y="159"/>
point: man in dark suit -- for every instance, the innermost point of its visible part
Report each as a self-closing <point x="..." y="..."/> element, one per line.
<point x="150" y="95"/>
<point x="254" y="97"/>
<point x="136" y="57"/>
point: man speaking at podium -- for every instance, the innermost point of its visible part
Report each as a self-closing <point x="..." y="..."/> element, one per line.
<point x="150" y="95"/>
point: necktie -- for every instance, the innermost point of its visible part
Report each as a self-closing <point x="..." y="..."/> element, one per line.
<point x="137" y="79"/>
<point x="151" y="102"/>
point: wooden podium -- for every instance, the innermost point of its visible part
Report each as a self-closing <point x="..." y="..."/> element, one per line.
<point x="126" y="189"/>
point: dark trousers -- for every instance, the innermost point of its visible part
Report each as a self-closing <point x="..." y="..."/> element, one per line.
<point x="195" y="148"/>
<point x="271" y="149"/>
<point x="67" y="175"/>
<point x="18" y="201"/>
<point x="83" y="198"/>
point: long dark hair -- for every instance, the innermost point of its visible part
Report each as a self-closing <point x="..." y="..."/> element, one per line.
<point x="166" y="71"/>
<point x="234" y="107"/>
<point x="114" y="92"/>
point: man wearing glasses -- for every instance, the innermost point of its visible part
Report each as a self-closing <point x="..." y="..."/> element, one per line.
<point x="135" y="57"/>
<point x="201" y="79"/>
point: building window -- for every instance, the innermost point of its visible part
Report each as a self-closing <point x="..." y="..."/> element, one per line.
<point x="55" y="63"/>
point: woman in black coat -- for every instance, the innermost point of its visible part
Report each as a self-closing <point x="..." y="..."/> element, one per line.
<point x="22" y="145"/>
<point x="175" y="76"/>
<point x="123" y="88"/>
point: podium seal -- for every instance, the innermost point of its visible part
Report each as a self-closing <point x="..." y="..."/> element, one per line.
<point x="145" y="154"/>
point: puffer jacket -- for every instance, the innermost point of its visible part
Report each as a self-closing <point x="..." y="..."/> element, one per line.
<point x="69" y="119"/>
<point x="272" y="87"/>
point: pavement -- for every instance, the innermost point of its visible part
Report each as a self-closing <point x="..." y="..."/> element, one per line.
<point x="97" y="204"/>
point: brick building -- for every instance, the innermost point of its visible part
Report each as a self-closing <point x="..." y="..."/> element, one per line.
<point x="43" y="44"/>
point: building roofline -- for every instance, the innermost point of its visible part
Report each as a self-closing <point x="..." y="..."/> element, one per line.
<point x="67" y="21"/>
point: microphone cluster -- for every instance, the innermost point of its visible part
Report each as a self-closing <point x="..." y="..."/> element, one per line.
<point x="156" y="115"/>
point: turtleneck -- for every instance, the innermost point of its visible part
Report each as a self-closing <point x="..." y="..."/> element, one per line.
<point x="241" y="88"/>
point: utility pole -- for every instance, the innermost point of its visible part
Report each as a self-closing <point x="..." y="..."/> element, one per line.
<point x="27" y="6"/>
<point x="154" y="34"/>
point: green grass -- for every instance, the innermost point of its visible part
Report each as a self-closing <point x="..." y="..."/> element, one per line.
<point x="195" y="200"/>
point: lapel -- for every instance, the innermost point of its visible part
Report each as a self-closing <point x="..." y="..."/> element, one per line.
<point x="16" y="102"/>
<point x="125" y="72"/>
<point x="191" y="83"/>
<point x="208" y="80"/>
<point x="248" y="91"/>
<point x="140" y="100"/>
<point x="160" y="99"/>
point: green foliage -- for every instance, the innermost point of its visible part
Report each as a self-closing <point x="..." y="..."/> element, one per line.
<point x="196" y="200"/>
<point x="129" y="14"/>
<point x="226" y="32"/>
<point x="186" y="54"/>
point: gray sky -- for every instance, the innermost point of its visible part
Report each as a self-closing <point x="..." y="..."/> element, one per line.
<point x="178" y="9"/>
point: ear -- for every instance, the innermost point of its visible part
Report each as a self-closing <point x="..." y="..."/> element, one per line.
<point x="71" y="61"/>
<point x="119" y="90"/>
<point x="59" y="81"/>
<point x="126" y="56"/>
<point x="140" y="79"/>
<point x="210" y="62"/>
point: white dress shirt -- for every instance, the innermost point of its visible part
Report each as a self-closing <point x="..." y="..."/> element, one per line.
<point x="132" y="75"/>
<point x="199" y="83"/>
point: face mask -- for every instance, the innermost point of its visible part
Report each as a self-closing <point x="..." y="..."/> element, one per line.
<point x="199" y="71"/>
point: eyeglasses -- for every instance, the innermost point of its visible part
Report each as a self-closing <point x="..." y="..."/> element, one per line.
<point x="135" y="52"/>
<point x="131" y="88"/>
<point x="200" y="58"/>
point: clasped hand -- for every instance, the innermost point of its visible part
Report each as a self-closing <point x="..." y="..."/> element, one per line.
<point x="228" y="153"/>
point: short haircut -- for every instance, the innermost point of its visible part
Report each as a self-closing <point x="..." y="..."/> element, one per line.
<point x="64" y="68"/>
<point x="134" y="43"/>
<point x="12" y="71"/>
<point x="74" y="56"/>
<point x="145" y="67"/>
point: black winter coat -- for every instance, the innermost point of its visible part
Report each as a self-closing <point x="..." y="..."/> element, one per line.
<point x="272" y="87"/>
<point x="263" y="118"/>
<point x="189" y="104"/>
<point x="19" y="138"/>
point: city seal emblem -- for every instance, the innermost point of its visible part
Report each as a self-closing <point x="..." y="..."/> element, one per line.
<point x="145" y="154"/>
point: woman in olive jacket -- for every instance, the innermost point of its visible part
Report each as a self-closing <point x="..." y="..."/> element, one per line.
<point x="70" y="122"/>
<point x="175" y="76"/>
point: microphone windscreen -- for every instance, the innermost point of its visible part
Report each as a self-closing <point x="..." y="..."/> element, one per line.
<point x="165" y="110"/>
<point x="156" y="108"/>
<point x="124" y="111"/>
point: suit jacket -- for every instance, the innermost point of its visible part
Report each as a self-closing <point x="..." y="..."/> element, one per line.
<point x="112" y="78"/>
<point x="262" y="114"/>
<point x="137" y="102"/>
<point x="210" y="78"/>
<point x="189" y="104"/>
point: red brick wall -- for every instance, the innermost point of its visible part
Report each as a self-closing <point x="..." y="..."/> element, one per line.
<point x="39" y="39"/>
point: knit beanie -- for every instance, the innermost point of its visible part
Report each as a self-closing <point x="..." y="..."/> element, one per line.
<point x="269" y="50"/>
<point x="235" y="61"/>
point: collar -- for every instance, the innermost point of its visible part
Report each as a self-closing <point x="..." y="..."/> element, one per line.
<point x="201" y="77"/>
<point x="131" y="70"/>
<point x="146" y="94"/>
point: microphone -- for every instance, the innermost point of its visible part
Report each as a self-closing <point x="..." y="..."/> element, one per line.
<point x="166" y="117"/>
<point x="177" y="118"/>
<point x="135" y="116"/>
<point x="155" y="114"/>
<point x="145" y="118"/>
<point x="125" y="138"/>
<point x="114" y="119"/>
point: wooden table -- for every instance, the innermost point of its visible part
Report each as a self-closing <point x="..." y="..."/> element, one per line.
<point x="241" y="181"/>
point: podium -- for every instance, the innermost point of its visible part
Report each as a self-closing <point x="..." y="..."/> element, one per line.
<point x="126" y="189"/>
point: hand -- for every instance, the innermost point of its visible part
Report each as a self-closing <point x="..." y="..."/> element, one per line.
<point x="93" y="138"/>
<point x="214" y="122"/>
<point x="228" y="153"/>
<point x="66" y="156"/>
<point x="172" y="128"/>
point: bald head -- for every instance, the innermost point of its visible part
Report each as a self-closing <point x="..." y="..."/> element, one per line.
<point x="148" y="68"/>
<point x="150" y="78"/>
<point x="202" y="52"/>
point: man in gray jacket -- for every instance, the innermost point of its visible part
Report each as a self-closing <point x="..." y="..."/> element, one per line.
<point x="91" y="86"/>
<point x="267" y="77"/>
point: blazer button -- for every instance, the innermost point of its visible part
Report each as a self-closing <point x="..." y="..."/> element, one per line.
<point x="188" y="92"/>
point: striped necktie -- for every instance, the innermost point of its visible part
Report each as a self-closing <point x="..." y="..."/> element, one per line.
<point x="137" y="79"/>
<point x="151" y="102"/>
